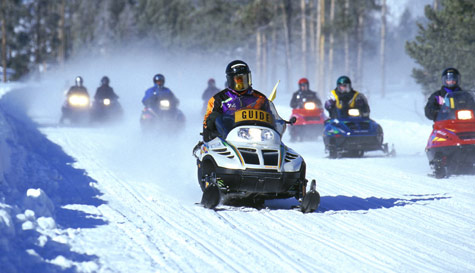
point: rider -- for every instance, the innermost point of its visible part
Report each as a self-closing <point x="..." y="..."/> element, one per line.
<point x="451" y="79"/>
<point x="304" y="94"/>
<point x="344" y="97"/>
<point x="158" y="91"/>
<point x="78" y="87"/>
<point x="239" y="94"/>
<point x="105" y="91"/>
<point x="210" y="90"/>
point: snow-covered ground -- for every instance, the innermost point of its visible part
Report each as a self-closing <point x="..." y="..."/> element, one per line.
<point x="112" y="200"/>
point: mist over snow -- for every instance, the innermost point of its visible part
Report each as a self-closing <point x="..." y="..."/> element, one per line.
<point x="111" y="199"/>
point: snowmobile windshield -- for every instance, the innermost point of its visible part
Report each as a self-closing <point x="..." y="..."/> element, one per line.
<point x="458" y="105"/>
<point x="243" y="117"/>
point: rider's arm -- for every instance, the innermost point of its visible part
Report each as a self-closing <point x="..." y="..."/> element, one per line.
<point x="432" y="107"/>
<point x="293" y="101"/>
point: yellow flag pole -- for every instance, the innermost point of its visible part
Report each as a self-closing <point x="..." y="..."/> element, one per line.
<point x="274" y="91"/>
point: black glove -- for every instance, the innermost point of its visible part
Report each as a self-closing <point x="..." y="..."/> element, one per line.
<point x="210" y="121"/>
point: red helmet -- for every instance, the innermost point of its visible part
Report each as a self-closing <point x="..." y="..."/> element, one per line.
<point x="303" y="81"/>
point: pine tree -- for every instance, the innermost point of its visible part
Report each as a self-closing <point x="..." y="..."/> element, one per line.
<point x="448" y="40"/>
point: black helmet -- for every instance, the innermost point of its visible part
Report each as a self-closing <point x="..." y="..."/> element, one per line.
<point x="343" y="81"/>
<point x="105" y="80"/>
<point x="211" y="82"/>
<point x="238" y="76"/>
<point x="451" y="77"/>
<point x="159" y="79"/>
<point x="78" y="81"/>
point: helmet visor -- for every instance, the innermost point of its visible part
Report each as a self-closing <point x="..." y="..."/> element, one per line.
<point x="344" y="88"/>
<point x="241" y="82"/>
<point x="450" y="79"/>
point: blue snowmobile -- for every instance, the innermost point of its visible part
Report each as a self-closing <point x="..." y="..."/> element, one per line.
<point x="351" y="134"/>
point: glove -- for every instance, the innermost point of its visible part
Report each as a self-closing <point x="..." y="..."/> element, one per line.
<point x="440" y="100"/>
<point x="329" y="104"/>
<point x="210" y="121"/>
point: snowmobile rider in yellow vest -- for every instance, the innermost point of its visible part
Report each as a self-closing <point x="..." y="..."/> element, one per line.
<point x="343" y="97"/>
<point x="239" y="94"/>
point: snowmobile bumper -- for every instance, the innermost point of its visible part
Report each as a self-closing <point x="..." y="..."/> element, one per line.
<point x="456" y="155"/>
<point x="306" y="131"/>
<point x="260" y="181"/>
<point x="353" y="143"/>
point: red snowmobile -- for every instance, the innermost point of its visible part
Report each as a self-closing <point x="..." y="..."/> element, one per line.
<point x="310" y="121"/>
<point x="451" y="146"/>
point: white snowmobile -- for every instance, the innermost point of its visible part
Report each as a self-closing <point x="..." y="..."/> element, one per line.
<point x="248" y="162"/>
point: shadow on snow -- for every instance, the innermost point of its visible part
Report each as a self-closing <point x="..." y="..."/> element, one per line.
<point x="354" y="203"/>
<point x="43" y="164"/>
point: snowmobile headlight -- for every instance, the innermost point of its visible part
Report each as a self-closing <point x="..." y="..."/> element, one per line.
<point x="255" y="134"/>
<point x="354" y="112"/>
<point x="464" y="114"/>
<point x="164" y="104"/>
<point x="310" y="106"/>
<point x="106" y="102"/>
<point x="78" y="100"/>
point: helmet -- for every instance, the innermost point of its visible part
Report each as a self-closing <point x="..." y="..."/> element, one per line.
<point x="211" y="82"/>
<point x="159" y="79"/>
<point x="303" y="84"/>
<point x="343" y="84"/>
<point x="303" y="81"/>
<point x="451" y="77"/>
<point x="105" y="80"/>
<point x="238" y="76"/>
<point x="78" y="81"/>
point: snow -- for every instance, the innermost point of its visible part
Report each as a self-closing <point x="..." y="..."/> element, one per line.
<point x="113" y="200"/>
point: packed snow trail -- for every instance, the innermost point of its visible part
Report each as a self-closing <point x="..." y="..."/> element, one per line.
<point x="126" y="202"/>
<point x="376" y="213"/>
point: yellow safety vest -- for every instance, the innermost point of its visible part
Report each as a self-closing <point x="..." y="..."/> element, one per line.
<point x="338" y="102"/>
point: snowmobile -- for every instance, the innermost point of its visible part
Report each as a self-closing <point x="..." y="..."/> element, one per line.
<point x="310" y="121"/>
<point x="76" y="108"/>
<point x="351" y="134"/>
<point x="451" y="145"/>
<point x="248" y="163"/>
<point x="106" y="110"/>
<point x="163" y="116"/>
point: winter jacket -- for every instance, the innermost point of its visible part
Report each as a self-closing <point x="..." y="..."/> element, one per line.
<point x="229" y="101"/>
<point x="436" y="100"/>
<point x="300" y="96"/>
<point x="77" y="90"/>
<point x="209" y="92"/>
<point x="105" y="92"/>
<point x="153" y="94"/>
<point x="344" y="101"/>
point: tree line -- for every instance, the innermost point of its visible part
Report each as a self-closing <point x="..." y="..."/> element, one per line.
<point x="306" y="38"/>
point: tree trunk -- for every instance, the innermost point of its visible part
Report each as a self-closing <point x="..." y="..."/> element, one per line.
<point x="359" y="56"/>
<point x="273" y="53"/>
<point x="264" y="61"/>
<point x="304" y="36"/>
<point x="4" y="42"/>
<point x="259" y="55"/>
<point x="287" y="45"/>
<point x="330" y="50"/>
<point x="61" y="33"/>
<point x="436" y="4"/>
<point x="321" y="46"/>
<point x="38" y="58"/>
<point x="383" y="48"/>
<point x="311" y="29"/>
<point x="346" y="39"/>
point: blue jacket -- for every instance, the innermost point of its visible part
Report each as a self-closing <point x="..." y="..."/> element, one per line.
<point x="153" y="93"/>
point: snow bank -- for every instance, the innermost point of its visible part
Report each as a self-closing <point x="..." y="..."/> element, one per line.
<point x="36" y="181"/>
